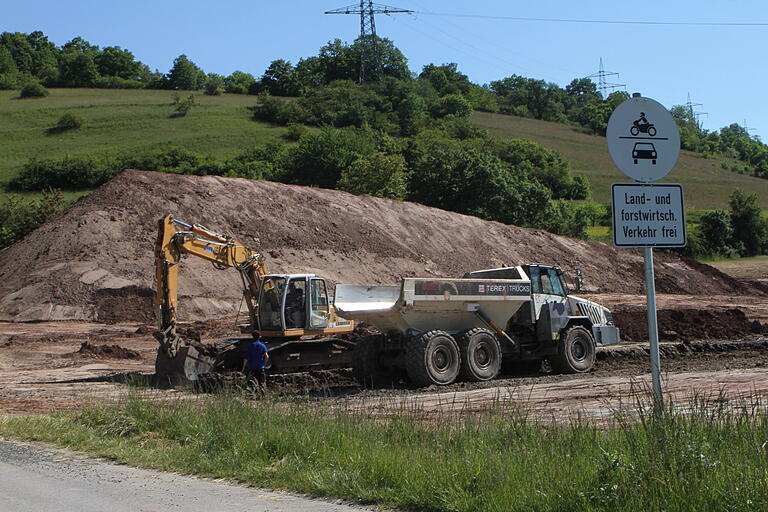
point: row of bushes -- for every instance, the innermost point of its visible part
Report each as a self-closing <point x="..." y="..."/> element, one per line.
<point x="511" y="181"/>
<point x="19" y="216"/>
<point x="740" y="231"/>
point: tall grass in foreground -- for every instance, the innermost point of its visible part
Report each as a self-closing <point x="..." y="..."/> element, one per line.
<point x="701" y="460"/>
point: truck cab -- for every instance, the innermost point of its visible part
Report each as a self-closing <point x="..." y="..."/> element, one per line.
<point x="552" y="308"/>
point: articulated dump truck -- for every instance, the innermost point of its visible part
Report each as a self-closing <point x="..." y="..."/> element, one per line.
<point x="437" y="331"/>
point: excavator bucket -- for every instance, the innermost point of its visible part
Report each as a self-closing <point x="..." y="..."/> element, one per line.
<point x="188" y="364"/>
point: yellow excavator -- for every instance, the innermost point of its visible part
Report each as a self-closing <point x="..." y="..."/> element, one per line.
<point x="292" y="313"/>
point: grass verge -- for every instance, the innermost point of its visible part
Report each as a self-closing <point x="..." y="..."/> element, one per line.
<point x="496" y="461"/>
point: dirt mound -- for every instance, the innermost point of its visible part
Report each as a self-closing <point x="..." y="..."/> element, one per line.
<point x="94" y="261"/>
<point x="688" y="324"/>
<point x="106" y="351"/>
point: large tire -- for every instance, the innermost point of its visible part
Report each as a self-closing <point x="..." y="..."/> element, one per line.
<point x="433" y="358"/>
<point x="575" y="352"/>
<point x="366" y="362"/>
<point x="480" y="355"/>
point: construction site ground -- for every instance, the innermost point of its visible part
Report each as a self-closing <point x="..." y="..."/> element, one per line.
<point x="76" y="296"/>
<point x="50" y="366"/>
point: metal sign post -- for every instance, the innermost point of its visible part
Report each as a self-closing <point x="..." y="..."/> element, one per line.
<point x="653" y="332"/>
<point x="644" y="143"/>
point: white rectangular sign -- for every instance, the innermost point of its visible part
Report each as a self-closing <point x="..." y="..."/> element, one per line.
<point x="646" y="215"/>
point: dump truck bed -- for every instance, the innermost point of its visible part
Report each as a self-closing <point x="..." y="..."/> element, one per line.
<point x="425" y="304"/>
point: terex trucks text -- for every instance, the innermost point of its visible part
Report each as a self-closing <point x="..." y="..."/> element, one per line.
<point x="441" y="330"/>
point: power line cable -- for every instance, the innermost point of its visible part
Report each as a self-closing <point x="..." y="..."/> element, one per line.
<point x="601" y="22"/>
<point x="479" y="56"/>
<point x="461" y="29"/>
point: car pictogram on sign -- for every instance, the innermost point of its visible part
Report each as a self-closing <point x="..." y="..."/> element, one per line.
<point x="644" y="151"/>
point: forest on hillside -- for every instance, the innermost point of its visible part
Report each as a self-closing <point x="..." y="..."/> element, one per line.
<point x="32" y="58"/>
<point x="400" y="135"/>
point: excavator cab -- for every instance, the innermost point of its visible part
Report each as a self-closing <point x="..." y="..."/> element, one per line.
<point x="293" y="305"/>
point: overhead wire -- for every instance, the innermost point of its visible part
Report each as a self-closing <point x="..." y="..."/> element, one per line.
<point x="601" y="22"/>
<point x="479" y="56"/>
<point x="490" y="44"/>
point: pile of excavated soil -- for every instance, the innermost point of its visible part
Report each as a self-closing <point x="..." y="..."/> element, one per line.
<point x="106" y="352"/>
<point x="688" y="324"/>
<point x="95" y="260"/>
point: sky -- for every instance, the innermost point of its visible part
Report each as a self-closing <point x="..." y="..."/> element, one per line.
<point x="721" y="67"/>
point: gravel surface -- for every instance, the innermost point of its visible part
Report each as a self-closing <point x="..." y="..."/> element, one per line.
<point x="34" y="479"/>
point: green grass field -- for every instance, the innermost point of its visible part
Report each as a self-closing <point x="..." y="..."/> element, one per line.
<point x="221" y="127"/>
<point x="123" y="120"/>
<point x="484" y="461"/>
<point x="707" y="185"/>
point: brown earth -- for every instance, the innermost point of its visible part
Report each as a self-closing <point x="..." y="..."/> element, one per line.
<point x="94" y="261"/>
<point x="688" y="324"/>
<point x="44" y="368"/>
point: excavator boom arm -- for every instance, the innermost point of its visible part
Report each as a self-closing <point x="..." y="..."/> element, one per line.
<point x="176" y="238"/>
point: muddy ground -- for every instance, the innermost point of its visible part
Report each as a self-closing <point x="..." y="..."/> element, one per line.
<point x="706" y="352"/>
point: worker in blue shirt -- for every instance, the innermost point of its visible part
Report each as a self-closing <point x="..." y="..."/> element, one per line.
<point x="255" y="362"/>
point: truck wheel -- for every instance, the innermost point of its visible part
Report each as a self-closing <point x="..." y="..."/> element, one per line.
<point x="432" y="358"/>
<point x="575" y="352"/>
<point x="480" y="355"/>
<point x="366" y="362"/>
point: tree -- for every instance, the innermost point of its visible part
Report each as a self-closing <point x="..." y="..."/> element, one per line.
<point x="18" y="217"/>
<point x="320" y="157"/>
<point x="239" y="82"/>
<point x="377" y="174"/>
<point x="391" y="61"/>
<point x="455" y="176"/>
<point x="44" y="53"/>
<point x="78" y="69"/>
<point x="616" y="98"/>
<point x="184" y="74"/>
<point x="716" y="232"/>
<point x="583" y="91"/>
<point x="452" y="105"/>
<point x="213" y="84"/>
<point x="446" y="79"/>
<point x="80" y="45"/>
<point x="182" y="105"/>
<point x="7" y="65"/>
<point x="540" y="99"/>
<point x="548" y="167"/>
<point x="114" y="61"/>
<point x="19" y="48"/>
<point x="594" y="116"/>
<point x="336" y="62"/>
<point x="279" y="79"/>
<point x="308" y="74"/>
<point x="339" y="61"/>
<point x="749" y="228"/>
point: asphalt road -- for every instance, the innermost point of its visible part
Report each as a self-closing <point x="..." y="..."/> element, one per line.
<point x="34" y="479"/>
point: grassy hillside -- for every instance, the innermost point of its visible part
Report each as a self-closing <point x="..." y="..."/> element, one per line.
<point x="220" y="126"/>
<point x="707" y="185"/>
<point x="117" y="120"/>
